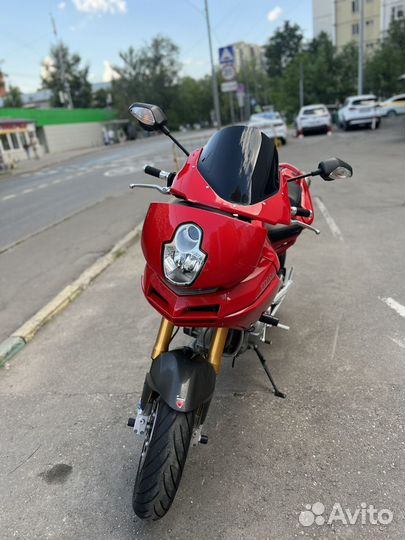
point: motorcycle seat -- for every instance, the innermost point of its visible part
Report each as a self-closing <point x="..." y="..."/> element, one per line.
<point x="294" y="193"/>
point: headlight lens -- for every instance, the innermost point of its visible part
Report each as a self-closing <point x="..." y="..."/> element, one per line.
<point x="182" y="258"/>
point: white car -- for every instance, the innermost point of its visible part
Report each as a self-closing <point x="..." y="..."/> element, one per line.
<point x="313" y="119"/>
<point x="359" y="110"/>
<point x="393" y="106"/>
<point x="271" y="123"/>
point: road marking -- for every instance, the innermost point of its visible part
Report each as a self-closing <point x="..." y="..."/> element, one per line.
<point x="337" y="233"/>
<point x="28" y="190"/>
<point x="7" y="197"/>
<point x="57" y="181"/>
<point x="396" y="306"/>
<point x="399" y="342"/>
<point x="42" y="186"/>
<point x="68" y="177"/>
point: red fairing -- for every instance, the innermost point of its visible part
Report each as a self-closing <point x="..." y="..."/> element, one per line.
<point x="288" y="171"/>
<point x="238" y="281"/>
<point x="190" y="185"/>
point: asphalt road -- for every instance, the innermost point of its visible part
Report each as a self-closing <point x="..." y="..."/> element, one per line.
<point x="55" y="222"/>
<point x="67" y="461"/>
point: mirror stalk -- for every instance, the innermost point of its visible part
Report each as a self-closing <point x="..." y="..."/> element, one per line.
<point x="166" y="131"/>
<point x="313" y="173"/>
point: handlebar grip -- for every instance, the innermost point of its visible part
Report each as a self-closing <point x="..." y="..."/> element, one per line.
<point x="304" y="213"/>
<point x="153" y="171"/>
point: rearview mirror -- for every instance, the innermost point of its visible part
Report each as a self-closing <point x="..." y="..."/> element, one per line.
<point x="150" y="117"/>
<point x="334" y="169"/>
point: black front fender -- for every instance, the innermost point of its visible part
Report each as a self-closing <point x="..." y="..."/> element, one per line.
<point x="183" y="380"/>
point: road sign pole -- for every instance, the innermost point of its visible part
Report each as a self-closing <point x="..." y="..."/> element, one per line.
<point x="213" y="74"/>
<point x="231" y="108"/>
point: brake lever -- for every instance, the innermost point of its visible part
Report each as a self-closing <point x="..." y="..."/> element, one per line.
<point x="305" y="226"/>
<point x="165" y="190"/>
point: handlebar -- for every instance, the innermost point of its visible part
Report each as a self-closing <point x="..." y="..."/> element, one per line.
<point x="302" y="212"/>
<point x="159" y="173"/>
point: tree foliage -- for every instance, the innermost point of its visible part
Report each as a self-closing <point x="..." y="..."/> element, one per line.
<point x="388" y="62"/>
<point x="13" y="97"/>
<point x="330" y="75"/>
<point x="148" y="74"/>
<point x="62" y="60"/>
<point x="282" y="48"/>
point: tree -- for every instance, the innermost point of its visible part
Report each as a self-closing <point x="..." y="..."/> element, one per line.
<point x="282" y="48"/>
<point x="148" y="74"/>
<point x="13" y="97"/>
<point x="101" y="98"/>
<point x="65" y="67"/>
<point x="388" y="62"/>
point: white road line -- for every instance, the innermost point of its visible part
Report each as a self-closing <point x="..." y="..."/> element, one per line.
<point x="396" y="306"/>
<point x="57" y="181"/>
<point x="8" y="197"/>
<point x="337" y="233"/>
<point x="399" y="342"/>
<point x="42" y="186"/>
<point x="28" y="190"/>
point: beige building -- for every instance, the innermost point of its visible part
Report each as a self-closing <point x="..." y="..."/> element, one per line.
<point x="246" y="53"/>
<point x="340" y="19"/>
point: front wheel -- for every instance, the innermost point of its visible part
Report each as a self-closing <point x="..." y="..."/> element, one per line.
<point x="161" y="464"/>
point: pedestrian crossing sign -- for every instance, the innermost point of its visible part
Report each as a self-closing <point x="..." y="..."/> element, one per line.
<point x="226" y="55"/>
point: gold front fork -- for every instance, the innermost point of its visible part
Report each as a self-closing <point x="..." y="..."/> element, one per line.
<point x="163" y="338"/>
<point x="217" y="348"/>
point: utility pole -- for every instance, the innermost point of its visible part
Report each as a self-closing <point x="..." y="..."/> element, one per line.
<point x="301" y="85"/>
<point x="361" y="48"/>
<point x="213" y="74"/>
<point x="66" y="87"/>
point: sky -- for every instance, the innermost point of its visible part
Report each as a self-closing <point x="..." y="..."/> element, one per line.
<point x="99" y="29"/>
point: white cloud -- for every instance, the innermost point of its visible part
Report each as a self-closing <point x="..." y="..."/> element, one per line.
<point x="109" y="73"/>
<point x="274" y="14"/>
<point x="61" y="5"/>
<point x="103" y="6"/>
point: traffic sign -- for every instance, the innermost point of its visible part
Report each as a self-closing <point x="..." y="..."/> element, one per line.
<point x="226" y="55"/>
<point x="231" y="86"/>
<point x="228" y="72"/>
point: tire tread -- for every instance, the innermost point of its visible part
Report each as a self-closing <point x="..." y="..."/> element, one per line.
<point x="158" y="480"/>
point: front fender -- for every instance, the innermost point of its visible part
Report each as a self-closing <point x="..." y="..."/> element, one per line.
<point x="183" y="380"/>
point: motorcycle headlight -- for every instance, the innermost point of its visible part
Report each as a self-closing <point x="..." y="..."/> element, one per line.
<point x="182" y="258"/>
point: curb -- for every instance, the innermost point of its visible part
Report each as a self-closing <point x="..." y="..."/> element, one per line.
<point x="23" y="335"/>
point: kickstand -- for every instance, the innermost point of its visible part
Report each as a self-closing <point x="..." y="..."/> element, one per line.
<point x="266" y="369"/>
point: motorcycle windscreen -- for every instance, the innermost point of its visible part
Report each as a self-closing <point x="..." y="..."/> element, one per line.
<point x="241" y="165"/>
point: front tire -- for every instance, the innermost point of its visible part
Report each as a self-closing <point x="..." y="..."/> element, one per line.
<point x="163" y="457"/>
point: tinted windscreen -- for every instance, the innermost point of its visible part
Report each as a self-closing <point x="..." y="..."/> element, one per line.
<point x="241" y="165"/>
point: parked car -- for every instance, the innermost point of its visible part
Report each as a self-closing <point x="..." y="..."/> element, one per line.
<point x="313" y="119"/>
<point x="393" y="106"/>
<point x="359" y="110"/>
<point x="271" y="123"/>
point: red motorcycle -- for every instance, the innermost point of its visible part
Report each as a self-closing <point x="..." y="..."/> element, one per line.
<point x="215" y="266"/>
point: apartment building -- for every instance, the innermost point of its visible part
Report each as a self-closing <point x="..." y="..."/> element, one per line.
<point x="246" y="53"/>
<point x="340" y="19"/>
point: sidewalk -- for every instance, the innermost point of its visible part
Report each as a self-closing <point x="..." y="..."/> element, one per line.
<point x="68" y="461"/>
